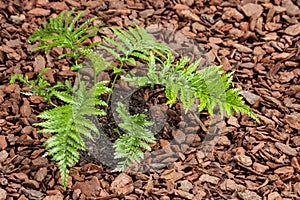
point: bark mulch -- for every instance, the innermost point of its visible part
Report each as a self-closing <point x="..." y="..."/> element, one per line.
<point x="259" y="40"/>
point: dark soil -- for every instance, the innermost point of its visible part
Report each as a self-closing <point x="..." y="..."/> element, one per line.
<point x="258" y="40"/>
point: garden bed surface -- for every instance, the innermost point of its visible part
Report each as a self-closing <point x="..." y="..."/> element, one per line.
<point x="258" y="40"/>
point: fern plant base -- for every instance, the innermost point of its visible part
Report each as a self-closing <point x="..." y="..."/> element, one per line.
<point x="151" y="102"/>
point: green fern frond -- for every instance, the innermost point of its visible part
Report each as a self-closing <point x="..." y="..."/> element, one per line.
<point x="41" y="87"/>
<point x="134" y="43"/>
<point x="69" y="121"/>
<point x="61" y="32"/>
<point x="65" y="97"/>
<point x="182" y="80"/>
<point x="234" y="102"/>
<point x="129" y="145"/>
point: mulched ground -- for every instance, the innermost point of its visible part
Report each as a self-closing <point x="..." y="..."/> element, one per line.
<point x="259" y="40"/>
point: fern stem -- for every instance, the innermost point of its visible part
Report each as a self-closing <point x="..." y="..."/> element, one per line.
<point x="95" y="76"/>
<point x="113" y="84"/>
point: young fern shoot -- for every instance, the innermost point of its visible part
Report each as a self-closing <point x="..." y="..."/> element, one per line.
<point x="137" y="137"/>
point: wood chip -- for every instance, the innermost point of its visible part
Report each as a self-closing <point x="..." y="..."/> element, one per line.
<point x="260" y="168"/>
<point x="274" y="196"/>
<point x="3" y="194"/>
<point x="39" y="12"/>
<point x="189" y="15"/>
<point x="184" y="194"/>
<point x="293" y="120"/>
<point x="251" y="98"/>
<point x="3" y="143"/>
<point x="284" y="170"/>
<point x="251" y="9"/>
<point x="249" y="195"/>
<point x="291" y="8"/>
<point x="293" y="29"/>
<point x="286" y="149"/>
<point x="171" y="175"/>
<point x="25" y="108"/>
<point x="232" y="13"/>
<point x="90" y="188"/>
<point x="146" y="13"/>
<point x="208" y="178"/>
<point x="242" y="48"/>
<point x="39" y="63"/>
<point x="245" y="160"/>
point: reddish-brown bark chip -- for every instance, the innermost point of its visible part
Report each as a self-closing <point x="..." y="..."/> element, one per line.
<point x="39" y="63"/>
<point x="208" y="178"/>
<point x="171" y="175"/>
<point x="122" y="185"/>
<point x="3" y="194"/>
<point x="89" y="188"/>
<point x="274" y="196"/>
<point x="249" y="195"/>
<point x="39" y="12"/>
<point x="251" y="9"/>
<point x="293" y="30"/>
<point x="259" y="167"/>
<point x="243" y="159"/>
<point x="286" y="149"/>
<point x="284" y="170"/>
<point x="25" y="108"/>
<point x="3" y="143"/>
<point x="293" y="120"/>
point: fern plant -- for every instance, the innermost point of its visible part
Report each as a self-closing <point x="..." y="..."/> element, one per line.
<point x="181" y="79"/>
<point x="137" y="137"/>
<point x="41" y="87"/>
<point x="68" y="122"/>
<point x="61" y="32"/>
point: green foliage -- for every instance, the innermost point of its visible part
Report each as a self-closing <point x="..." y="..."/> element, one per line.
<point x="40" y="86"/>
<point x="181" y="79"/>
<point x="99" y="64"/>
<point x="69" y="121"/>
<point x="134" y="44"/>
<point x="173" y="78"/>
<point x="137" y="137"/>
<point x="210" y="85"/>
<point x="131" y="45"/>
<point x="61" y="32"/>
